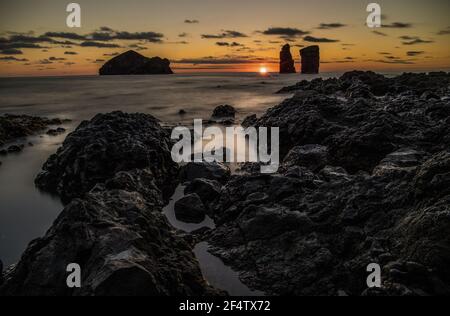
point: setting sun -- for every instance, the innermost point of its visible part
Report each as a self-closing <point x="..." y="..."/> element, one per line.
<point x="263" y="70"/>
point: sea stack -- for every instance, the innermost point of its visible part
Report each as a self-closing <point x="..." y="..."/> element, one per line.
<point x="287" y="64"/>
<point x="310" y="59"/>
<point x="133" y="63"/>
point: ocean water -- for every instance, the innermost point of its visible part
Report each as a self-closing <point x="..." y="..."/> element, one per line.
<point x="26" y="213"/>
<point x="80" y="98"/>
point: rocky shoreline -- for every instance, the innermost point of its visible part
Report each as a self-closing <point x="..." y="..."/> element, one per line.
<point x="365" y="179"/>
<point x="14" y="127"/>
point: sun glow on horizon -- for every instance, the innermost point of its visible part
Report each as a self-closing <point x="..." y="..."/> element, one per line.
<point x="263" y="70"/>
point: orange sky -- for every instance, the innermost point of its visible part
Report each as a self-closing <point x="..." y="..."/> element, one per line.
<point x="222" y="36"/>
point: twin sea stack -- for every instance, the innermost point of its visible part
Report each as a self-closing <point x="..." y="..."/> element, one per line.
<point x="310" y="60"/>
<point x="133" y="63"/>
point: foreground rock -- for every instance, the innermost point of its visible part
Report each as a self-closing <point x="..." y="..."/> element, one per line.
<point x="287" y="64"/>
<point x="364" y="180"/>
<point x="18" y="126"/>
<point x="310" y="60"/>
<point x="210" y="171"/>
<point x="123" y="244"/>
<point x="224" y="114"/>
<point x="108" y="144"/>
<point x="190" y="209"/>
<point x="114" y="170"/>
<point x="133" y="63"/>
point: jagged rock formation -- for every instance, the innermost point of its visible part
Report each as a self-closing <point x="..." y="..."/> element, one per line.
<point x="104" y="146"/>
<point x="310" y="60"/>
<point x="364" y="180"/>
<point x="113" y="170"/>
<point x="287" y="63"/>
<point x="133" y="63"/>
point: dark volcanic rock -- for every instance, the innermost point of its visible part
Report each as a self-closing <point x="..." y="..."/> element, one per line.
<point x="249" y="120"/>
<point x="1" y="272"/>
<point x="15" y="149"/>
<point x="114" y="169"/>
<point x="190" y="209"/>
<point x="207" y="190"/>
<point x="205" y="170"/>
<point x="104" y="146"/>
<point x="123" y="244"/>
<point x="374" y="189"/>
<point x="310" y="60"/>
<point x="224" y="114"/>
<point x="56" y="132"/>
<point x="133" y="63"/>
<point x="287" y="64"/>
<point x="17" y="126"/>
<point x="314" y="157"/>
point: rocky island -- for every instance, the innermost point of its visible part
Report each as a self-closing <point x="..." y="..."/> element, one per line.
<point x="133" y="63"/>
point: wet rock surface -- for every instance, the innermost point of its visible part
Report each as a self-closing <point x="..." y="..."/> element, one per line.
<point x="190" y="209"/>
<point x="224" y="114"/>
<point x="364" y="180"/>
<point x="203" y="170"/>
<point x="133" y="63"/>
<point x="18" y="126"/>
<point x="124" y="245"/>
<point x="113" y="225"/>
<point x="99" y="149"/>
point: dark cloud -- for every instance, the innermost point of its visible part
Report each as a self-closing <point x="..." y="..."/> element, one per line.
<point x="71" y="36"/>
<point x="12" y="58"/>
<point x="111" y="54"/>
<point x="29" y="39"/>
<point x="319" y="40"/>
<point x="108" y="34"/>
<point x="56" y="59"/>
<point x="98" y="45"/>
<point x="398" y="25"/>
<point x="137" y="47"/>
<point x="414" y="40"/>
<point x="11" y="51"/>
<point x="20" y="45"/>
<point x="191" y="21"/>
<point x="219" y="60"/>
<point x="144" y="36"/>
<point x="285" y="32"/>
<point x="329" y="26"/>
<point x="379" y="33"/>
<point x="224" y="34"/>
<point x="415" y="53"/>
<point x="345" y="61"/>
<point x="45" y="62"/>
<point x="394" y="61"/>
<point x="70" y="53"/>
<point x="183" y="35"/>
<point x="233" y="44"/>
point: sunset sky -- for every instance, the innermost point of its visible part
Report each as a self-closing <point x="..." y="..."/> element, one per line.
<point x="222" y="35"/>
